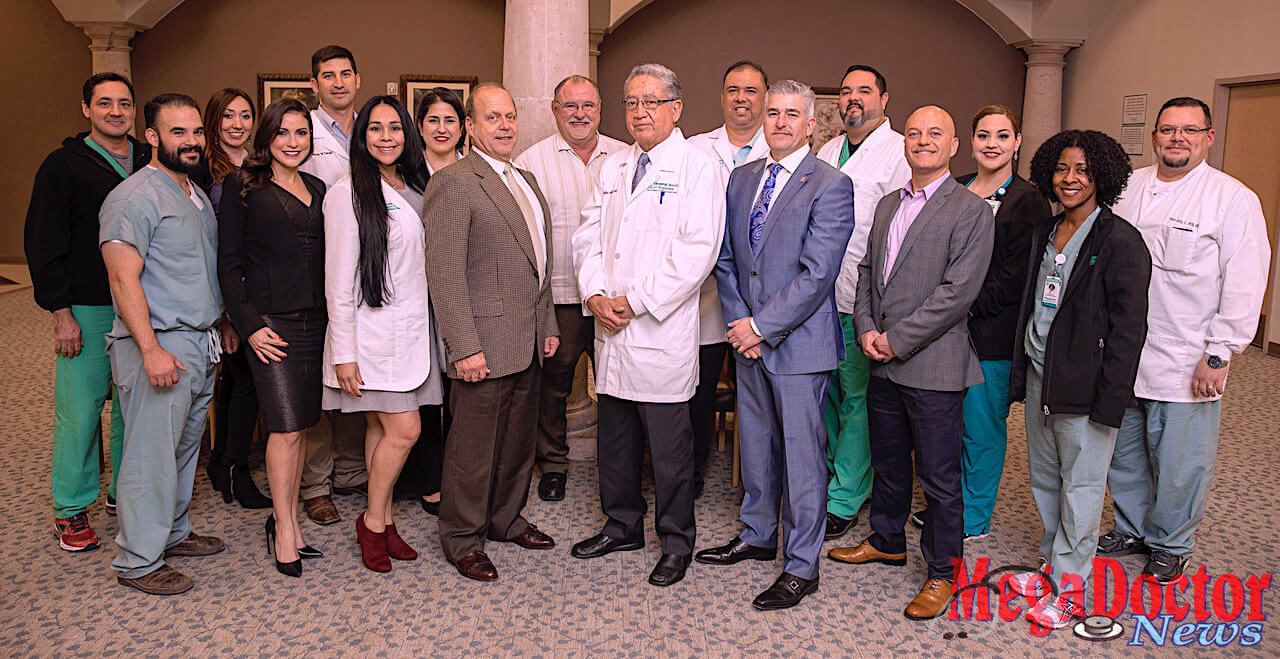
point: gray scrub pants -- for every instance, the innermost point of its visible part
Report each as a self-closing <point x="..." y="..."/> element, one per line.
<point x="1068" y="456"/>
<point x="1161" y="471"/>
<point x="162" y="432"/>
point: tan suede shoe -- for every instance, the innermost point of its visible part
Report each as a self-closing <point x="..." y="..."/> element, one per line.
<point x="865" y="553"/>
<point x="931" y="601"/>
<point x="196" y="545"/>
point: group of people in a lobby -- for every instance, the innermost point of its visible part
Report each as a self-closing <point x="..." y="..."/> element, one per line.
<point x="354" y="273"/>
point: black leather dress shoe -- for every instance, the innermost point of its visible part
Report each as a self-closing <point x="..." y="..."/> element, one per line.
<point x="838" y="526"/>
<point x="737" y="550"/>
<point x="785" y="593"/>
<point x="551" y="485"/>
<point x="669" y="570"/>
<point x="601" y="544"/>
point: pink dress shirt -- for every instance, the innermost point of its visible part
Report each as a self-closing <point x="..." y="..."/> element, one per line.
<point x="912" y="202"/>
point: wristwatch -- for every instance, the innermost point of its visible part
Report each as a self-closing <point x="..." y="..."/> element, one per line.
<point x="1215" y="361"/>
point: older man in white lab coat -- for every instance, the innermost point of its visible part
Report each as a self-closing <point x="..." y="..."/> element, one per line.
<point x="740" y="140"/>
<point x="650" y="236"/>
<point x="871" y="153"/>
<point x="1209" y="252"/>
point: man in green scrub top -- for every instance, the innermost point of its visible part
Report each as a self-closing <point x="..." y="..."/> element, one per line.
<point x="159" y="242"/>
<point x="70" y="281"/>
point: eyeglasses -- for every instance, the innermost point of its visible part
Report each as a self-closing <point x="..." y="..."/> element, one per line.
<point x="649" y="104"/>
<point x="574" y="107"/>
<point x="1186" y="131"/>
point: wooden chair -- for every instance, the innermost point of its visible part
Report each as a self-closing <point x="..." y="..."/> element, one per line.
<point x="725" y="405"/>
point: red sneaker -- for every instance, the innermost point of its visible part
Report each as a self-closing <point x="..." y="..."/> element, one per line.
<point x="75" y="534"/>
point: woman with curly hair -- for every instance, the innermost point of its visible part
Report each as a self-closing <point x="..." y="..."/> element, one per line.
<point x="1081" y="329"/>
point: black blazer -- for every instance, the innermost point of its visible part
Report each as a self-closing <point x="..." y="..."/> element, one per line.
<point x="1091" y="353"/>
<point x="993" y="318"/>
<point x="262" y="266"/>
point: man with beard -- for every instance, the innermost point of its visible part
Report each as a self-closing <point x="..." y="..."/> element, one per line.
<point x="158" y="239"/>
<point x="566" y="165"/>
<point x="871" y="153"/>
<point x="738" y="142"/>
<point x="1209" y="251"/>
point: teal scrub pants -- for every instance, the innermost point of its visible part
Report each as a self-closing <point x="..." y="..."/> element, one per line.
<point x="986" y="435"/>
<point x="1068" y="456"/>
<point x="162" y="432"/>
<point x="81" y="387"/>
<point x="1162" y="469"/>
<point x="848" y="439"/>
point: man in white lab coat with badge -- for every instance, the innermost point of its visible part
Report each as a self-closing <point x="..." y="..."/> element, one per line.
<point x="649" y="237"/>
<point x="1210" y="254"/>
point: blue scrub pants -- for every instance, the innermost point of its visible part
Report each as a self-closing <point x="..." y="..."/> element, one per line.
<point x="986" y="435"/>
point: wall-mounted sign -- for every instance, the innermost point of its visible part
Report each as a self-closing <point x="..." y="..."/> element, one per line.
<point x="1132" y="138"/>
<point x="1134" y="110"/>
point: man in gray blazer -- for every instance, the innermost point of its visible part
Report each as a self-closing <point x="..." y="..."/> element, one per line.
<point x="776" y="276"/>
<point x="928" y="253"/>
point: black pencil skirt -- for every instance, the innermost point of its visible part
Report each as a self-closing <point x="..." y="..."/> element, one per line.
<point x="289" y="390"/>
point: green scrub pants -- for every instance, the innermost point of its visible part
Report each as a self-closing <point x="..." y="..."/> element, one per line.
<point x="162" y="432"/>
<point x="81" y="387"/>
<point x="848" y="439"/>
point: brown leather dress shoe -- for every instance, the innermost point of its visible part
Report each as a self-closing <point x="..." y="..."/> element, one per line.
<point x="865" y="553"/>
<point x="477" y="565"/>
<point x="196" y="545"/>
<point x="165" y="581"/>
<point x="321" y="510"/>
<point x="931" y="601"/>
<point x="532" y="538"/>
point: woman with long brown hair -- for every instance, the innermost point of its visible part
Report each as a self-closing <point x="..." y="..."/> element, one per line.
<point x="228" y="124"/>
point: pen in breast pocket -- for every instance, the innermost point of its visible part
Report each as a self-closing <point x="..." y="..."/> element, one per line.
<point x="660" y="196"/>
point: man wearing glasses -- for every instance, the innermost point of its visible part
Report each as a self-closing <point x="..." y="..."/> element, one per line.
<point x="1210" y="254"/>
<point x="649" y="237"/>
<point x="566" y="165"/>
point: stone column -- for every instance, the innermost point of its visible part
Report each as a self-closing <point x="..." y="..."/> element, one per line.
<point x="109" y="45"/>
<point x="1042" y="99"/>
<point x="593" y="39"/>
<point x="544" y="41"/>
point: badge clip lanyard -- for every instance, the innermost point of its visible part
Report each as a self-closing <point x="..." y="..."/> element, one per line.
<point x="1052" y="293"/>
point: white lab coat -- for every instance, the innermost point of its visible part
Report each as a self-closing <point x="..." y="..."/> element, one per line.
<point x="877" y="168"/>
<point x="655" y="245"/>
<point x="711" y="327"/>
<point x="329" y="160"/>
<point x="1209" y="256"/>
<point x="392" y="343"/>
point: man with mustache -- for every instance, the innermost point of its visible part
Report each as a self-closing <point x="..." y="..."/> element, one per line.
<point x="926" y="259"/>
<point x="70" y="281"/>
<point x="738" y="142"/>
<point x="871" y="153"/>
<point x="159" y="242"/>
<point x="566" y="165"/>
<point x="335" y="446"/>
<point x="1210" y="254"/>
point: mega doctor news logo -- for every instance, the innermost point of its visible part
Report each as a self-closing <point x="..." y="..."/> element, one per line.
<point x="1198" y="610"/>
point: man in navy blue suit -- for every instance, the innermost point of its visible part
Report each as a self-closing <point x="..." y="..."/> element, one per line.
<point x="789" y="218"/>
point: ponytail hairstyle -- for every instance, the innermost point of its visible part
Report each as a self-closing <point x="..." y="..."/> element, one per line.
<point x="368" y="201"/>
<point x="220" y="164"/>
<point x="256" y="173"/>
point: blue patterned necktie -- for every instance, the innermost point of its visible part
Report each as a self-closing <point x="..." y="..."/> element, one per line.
<point x="641" y="168"/>
<point x="761" y="207"/>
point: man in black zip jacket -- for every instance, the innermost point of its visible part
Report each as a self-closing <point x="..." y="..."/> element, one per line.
<point x="70" y="281"/>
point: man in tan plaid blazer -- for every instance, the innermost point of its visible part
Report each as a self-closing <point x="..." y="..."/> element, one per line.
<point x="488" y="241"/>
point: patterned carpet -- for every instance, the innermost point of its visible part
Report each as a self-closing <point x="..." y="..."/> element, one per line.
<point x="546" y="603"/>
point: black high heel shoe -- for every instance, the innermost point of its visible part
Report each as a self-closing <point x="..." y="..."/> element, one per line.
<point x="241" y="486"/>
<point x="310" y="552"/>
<point x="290" y="569"/>
<point x="219" y="478"/>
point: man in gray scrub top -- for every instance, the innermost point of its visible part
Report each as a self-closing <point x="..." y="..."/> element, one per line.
<point x="158" y="240"/>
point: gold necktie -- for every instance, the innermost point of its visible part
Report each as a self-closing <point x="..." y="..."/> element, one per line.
<point x="530" y="220"/>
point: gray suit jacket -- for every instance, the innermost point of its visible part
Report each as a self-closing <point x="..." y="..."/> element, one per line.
<point x="924" y="305"/>
<point x="481" y="270"/>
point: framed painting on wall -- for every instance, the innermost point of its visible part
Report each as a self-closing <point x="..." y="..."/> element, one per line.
<point x="826" y="110"/>
<point x="275" y="86"/>
<point x="414" y="86"/>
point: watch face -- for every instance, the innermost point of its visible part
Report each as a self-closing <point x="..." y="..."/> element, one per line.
<point x="1214" y="361"/>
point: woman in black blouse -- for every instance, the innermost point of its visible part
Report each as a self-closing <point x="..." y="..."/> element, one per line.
<point x="271" y="267"/>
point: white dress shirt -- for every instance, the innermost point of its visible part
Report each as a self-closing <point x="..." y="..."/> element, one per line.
<point x="711" y="327"/>
<point x="877" y="168"/>
<point x="1210" y="256"/>
<point x="567" y="184"/>
<point x="501" y="168"/>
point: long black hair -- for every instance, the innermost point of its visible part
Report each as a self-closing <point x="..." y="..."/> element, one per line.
<point x="366" y="195"/>
<point x="256" y="172"/>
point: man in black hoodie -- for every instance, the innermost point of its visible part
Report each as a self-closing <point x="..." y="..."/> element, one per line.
<point x="70" y="281"/>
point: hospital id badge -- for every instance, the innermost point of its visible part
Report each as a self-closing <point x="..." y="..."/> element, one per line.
<point x="1052" y="292"/>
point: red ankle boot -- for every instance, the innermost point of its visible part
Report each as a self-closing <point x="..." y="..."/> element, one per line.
<point x="373" y="547"/>
<point x="397" y="548"/>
